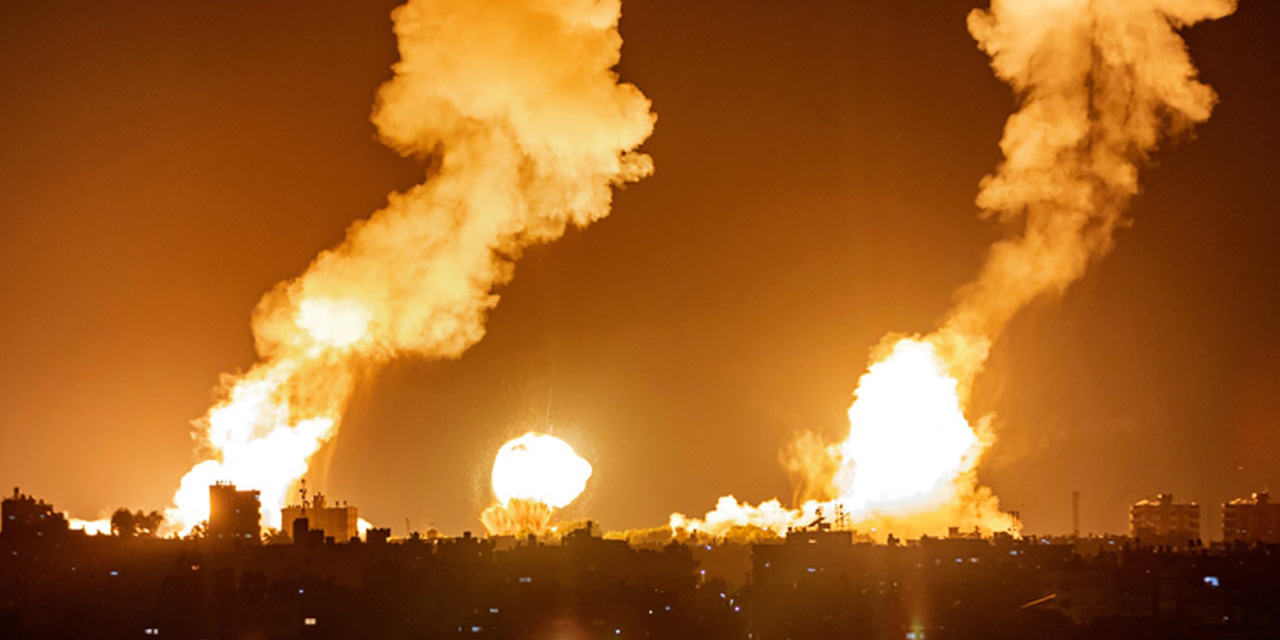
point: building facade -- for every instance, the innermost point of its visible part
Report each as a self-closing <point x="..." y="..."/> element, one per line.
<point x="340" y="521"/>
<point x="23" y="518"/>
<point x="1252" y="519"/>
<point x="1165" y="522"/>
<point x="233" y="515"/>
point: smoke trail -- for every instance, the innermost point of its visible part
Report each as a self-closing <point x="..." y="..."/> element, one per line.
<point x="528" y="128"/>
<point x="1100" y="83"/>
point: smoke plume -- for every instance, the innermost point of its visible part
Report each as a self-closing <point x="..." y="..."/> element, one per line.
<point x="1100" y="84"/>
<point x="527" y="130"/>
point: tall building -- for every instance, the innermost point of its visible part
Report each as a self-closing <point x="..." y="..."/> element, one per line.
<point x="1165" y="522"/>
<point x="23" y="518"/>
<point x="233" y="514"/>
<point x="1253" y="519"/>
<point x="338" y="521"/>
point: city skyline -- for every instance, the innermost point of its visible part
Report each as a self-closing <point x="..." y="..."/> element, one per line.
<point x="814" y="185"/>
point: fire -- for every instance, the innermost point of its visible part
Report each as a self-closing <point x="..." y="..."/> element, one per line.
<point x="507" y="170"/>
<point x="908" y="439"/>
<point x="907" y="465"/>
<point x="101" y="526"/>
<point x="1100" y="84"/>
<point x="533" y="475"/>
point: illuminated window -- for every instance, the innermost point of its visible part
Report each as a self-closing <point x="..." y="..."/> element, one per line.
<point x="1211" y="581"/>
<point x="310" y="622"/>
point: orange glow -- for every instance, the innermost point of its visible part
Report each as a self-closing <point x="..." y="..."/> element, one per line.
<point x="908" y="441"/>
<point x="97" y="527"/>
<point x="416" y="277"/>
<point x="906" y="467"/>
<point x="533" y="475"/>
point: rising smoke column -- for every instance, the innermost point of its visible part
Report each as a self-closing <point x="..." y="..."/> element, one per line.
<point x="528" y="130"/>
<point x="1100" y="84"/>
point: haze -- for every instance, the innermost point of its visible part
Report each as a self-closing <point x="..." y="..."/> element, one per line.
<point x="164" y="166"/>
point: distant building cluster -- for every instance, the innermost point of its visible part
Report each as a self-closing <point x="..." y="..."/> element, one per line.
<point x="821" y="581"/>
<point x="316" y="520"/>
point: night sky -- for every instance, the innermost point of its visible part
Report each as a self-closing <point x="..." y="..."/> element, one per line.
<point x="163" y="164"/>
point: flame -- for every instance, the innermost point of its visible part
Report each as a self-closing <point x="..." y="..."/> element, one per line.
<point x="533" y="475"/>
<point x="529" y="129"/>
<point x="909" y="448"/>
<point x="101" y="526"/>
<point x="1100" y="84"/>
<point x="906" y="467"/>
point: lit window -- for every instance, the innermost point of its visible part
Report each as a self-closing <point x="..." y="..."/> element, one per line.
<point x="1211" y="581"/>
<point x="526" y="579"/>
<point x="151" y="631"/>
<point x="310" y="622"/>
<point x="476" y="629"/>
<point x="493" y="609"/>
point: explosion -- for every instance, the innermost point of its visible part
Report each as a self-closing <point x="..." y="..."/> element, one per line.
<point x="533" y="475"/>
<point x="1100" y="84"/>
<point x="528" y="130"/>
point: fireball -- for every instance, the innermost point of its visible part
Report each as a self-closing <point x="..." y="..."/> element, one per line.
<point x="537" y="467"/>
<point x="533" y="475"/>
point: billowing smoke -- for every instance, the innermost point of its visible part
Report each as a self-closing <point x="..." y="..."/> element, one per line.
<point x="1100" y="83"/>
<point x="527" y="129"/>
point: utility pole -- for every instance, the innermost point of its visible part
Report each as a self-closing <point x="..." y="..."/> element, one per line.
<point x="1075" y="514"/>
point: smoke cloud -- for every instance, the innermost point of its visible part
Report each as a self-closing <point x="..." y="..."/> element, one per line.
<point x="527" y="130"/>
<point x="1101" y="83"/>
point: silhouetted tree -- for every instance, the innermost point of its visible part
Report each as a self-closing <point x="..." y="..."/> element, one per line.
<point x="137" y="523"/>
<point x="122" y="523"/>
<point x="198" y="532"/>
<point x="147" y="523"/>
<point x="275" y="536"/>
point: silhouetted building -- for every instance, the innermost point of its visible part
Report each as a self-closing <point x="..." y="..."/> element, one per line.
<point x="233" y="514"/>
<point x="25" y="519"/>
<point x="339" y="522"/>
<point x="1253" y="519"/>
<point x="1165" y="522"/>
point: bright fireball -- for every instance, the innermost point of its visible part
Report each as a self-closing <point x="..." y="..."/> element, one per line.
<point x="539" y="468"/>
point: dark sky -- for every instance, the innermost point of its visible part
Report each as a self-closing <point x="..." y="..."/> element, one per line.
<point x="162" y="164"/>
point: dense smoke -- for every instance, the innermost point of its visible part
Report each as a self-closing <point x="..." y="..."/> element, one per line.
<point x="1100" y="84"/>
<point x="527" y="131"/>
